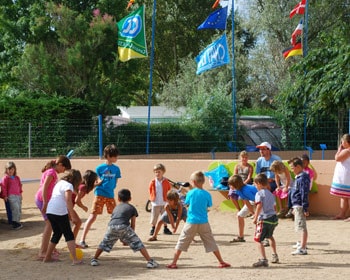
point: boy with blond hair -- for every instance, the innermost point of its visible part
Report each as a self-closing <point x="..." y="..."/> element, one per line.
<point x="198" y="200"/>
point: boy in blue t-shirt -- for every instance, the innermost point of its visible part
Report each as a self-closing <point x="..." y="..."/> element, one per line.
<point x="247" y="194"/>
<point x="109" y="173"/>
<point x="198" y="200"/>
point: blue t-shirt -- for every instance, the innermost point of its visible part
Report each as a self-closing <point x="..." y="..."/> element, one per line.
<point x="109" y="175"/>
<point x="263" y="166"/>
<point x="198" y="201"/>
<point x="247" y="192"/>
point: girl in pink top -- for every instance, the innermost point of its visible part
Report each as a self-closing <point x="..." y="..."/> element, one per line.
<point x="43" y="195"/>
<point x="12" y="193"/>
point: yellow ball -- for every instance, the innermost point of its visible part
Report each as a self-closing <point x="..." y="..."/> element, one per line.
<point x="79" y="253"/>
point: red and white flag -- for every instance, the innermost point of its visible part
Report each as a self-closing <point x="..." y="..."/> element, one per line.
<point x="299" y="9"/>
<point x="296" y="35"/>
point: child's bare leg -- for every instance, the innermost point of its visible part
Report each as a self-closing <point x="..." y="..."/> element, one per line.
<point x="261" y="249"/>
<point x="304" y="235"/>
<point x="273" y="245"/>
<point x="48" y="257"/>
<point x="240" y="226"/>
<point x="71" y="248"/>
<point x="156" y="231"/>
<point x="176" y="257"/>
<point x="45" y="239"/>
<point x="98" y="253"/>
<point x="236" y="203"/>
<point x="145" y="254"/>
<point x="87" y="226"/>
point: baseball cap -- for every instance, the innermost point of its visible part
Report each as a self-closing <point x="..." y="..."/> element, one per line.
<point x="264" y="144"/>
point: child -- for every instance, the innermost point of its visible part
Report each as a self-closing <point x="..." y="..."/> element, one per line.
<point x="309" y="170"/>
<point x="173" y="214"/>
<point x="247" y="194"/>
<point x="244" y="169"/>
<point x="42" y="197"/>
<point x="109" y="174"/>
<point x="122" y="227"/>
<point x="158" y="189"/>
<point x="59" y="208"/>
<point x="12" y="194"/>
<point x="88" y="184"/>
<point x="283" y="181"/>
<point x="199" y="200"/>
<point x="300" y="203"/>
<point x="265" y="219"/>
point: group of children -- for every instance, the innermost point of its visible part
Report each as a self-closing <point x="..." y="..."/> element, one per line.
<point x="291" y="196"/>
<point x="56" y="199"/>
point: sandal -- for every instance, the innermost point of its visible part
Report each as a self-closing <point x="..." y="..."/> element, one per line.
<point x="223" y="265"/>
<point x="172" y="266"/>
<point x="153" y="239"/>
<point x="237" y="239"/>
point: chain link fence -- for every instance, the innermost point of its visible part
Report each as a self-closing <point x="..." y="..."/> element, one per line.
<point x="32" y="139"/>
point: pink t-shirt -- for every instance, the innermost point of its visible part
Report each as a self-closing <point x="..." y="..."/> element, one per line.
<point x="11" y="185"/>
<point x="50" y="172"/>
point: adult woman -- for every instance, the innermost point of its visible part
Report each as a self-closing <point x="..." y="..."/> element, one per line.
<point x="341" y="178"/>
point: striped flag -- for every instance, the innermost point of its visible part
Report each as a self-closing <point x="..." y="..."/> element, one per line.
<point x="292" y="51"/>
<point x="296" y="35"/>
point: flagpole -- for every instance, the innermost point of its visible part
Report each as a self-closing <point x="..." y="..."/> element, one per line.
<point x="151" y="76"/>
<point x="305" y="51"/>
<point x="233" y="78"/>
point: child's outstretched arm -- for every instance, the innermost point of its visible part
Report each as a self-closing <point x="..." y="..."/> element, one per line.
<point x="179" y="215"/>
<point x="78" y="200"/>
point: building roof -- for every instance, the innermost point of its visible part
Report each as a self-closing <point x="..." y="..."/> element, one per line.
<point x="140" y="113"/>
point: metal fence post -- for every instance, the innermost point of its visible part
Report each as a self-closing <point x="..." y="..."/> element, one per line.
<point x="100" y="144"/>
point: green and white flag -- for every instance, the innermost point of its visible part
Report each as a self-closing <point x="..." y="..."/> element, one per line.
<point x="131" y="36"/>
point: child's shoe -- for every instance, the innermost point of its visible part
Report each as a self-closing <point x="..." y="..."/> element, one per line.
<point x="152" y="264"/>
<point x="261" y="263"/>
<point x="94" y="262"/>
<point x="275" y="258"/>
<point x="167" y="231"/>
<point x="300" y="251"/>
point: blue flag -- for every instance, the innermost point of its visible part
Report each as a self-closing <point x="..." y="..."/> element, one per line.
<point x="215" y="55"/>
<point x="216" y="20"/>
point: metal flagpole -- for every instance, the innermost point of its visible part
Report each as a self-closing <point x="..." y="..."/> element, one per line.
<point x="305" y="50"/>
<point x="233" y="78"/>
<point x="151" y="76"/>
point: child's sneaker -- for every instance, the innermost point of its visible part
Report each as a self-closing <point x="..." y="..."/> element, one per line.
<point x="94" y="262"/>
<point x="297" y="245"/>
<point x="275" y="258"/>
<point x="16" y="226"/>
<point x="167" y="231"/>
<point x="300" y="251"/>
<point x="261" y="263"/>
<point x="83" y="245"/>
<point x="152" y="264"/>
<point x="152" y="231"/>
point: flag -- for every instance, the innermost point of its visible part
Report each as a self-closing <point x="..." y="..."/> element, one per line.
<point x="292" y="51"/>
<point x="296" y="35"/>
<point x="214" y="55"/>
<point x="223" y="4"/>
<point x="216" y="20"/>
<point x="131" y="36"/>
<point x="299" y="9"/>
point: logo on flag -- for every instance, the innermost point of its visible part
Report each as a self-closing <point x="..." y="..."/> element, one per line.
<point x="131" y="36"/>
<point x="216" y="20"/>
<point x="213" y="56"/>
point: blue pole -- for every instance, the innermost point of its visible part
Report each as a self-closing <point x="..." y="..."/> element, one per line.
<point x="100" y="144"/>
<point x="151" y="76"/>
<point x="233" y="78"/>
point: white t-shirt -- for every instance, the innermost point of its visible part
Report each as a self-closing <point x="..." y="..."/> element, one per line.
<point x="57" y="204"/>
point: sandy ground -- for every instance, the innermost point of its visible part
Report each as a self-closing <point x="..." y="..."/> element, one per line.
<point x="328" y="256"/>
